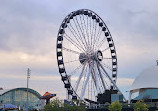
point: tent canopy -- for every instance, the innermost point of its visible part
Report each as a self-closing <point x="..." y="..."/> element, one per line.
<point x="9" y="106"/>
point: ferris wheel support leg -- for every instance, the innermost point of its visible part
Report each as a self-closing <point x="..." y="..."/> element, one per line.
<point x="87" y="79"/>
<point x="101" y="76"/>
<point x="111" y="79"/>
<point x="79" y="79"/>
<point x="96" y="79"/>
<point x="93" y="77"/>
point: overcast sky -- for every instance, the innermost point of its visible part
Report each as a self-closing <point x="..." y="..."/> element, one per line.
<point x="28" y="32"/>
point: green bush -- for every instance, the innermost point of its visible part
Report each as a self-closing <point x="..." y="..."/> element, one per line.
<point x="140" y="106"/>
<point x="54" y="105"/>
<point x="48" y="107"/>
<point x="115" y="106"/>
<point x="57" y="105"/>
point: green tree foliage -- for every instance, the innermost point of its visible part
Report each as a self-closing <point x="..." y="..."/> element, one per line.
<point x="57" y="105"/>
<point x="156" y="108"/>
<point x="115" y="106"/>
<point x="140" y="106"/>
<point x="48" y="107"/>
<point x="106" y="96"/>
<point x="54" y="105"/>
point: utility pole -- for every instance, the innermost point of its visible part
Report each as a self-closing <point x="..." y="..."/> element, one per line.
<point x="28" y="76"/>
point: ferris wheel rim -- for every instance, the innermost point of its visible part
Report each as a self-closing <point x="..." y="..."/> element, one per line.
<point x="59" y="53"/>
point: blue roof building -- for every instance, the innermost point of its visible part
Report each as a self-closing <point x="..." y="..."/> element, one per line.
<point x="18" y="97"/>
<point x="146" y="85"/>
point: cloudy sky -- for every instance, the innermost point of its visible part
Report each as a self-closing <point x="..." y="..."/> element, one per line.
<point x="28" y="32"/>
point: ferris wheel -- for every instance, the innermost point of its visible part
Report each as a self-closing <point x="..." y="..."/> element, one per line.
<point x="86" y="55"/>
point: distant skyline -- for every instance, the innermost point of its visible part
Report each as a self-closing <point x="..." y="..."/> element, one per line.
<point x="28" y="32"/>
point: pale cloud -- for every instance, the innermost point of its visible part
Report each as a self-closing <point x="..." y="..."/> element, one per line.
<point x="124" y="82"/>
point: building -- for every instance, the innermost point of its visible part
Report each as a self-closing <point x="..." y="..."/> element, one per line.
<point x="18" y="97"/>
<point x="146" y="85"/>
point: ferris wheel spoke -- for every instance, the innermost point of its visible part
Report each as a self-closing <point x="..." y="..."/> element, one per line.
<point x="101" y="77"/>
<point x="97" y="38"/>
<point x="78" y="67"/>
<point x="95" y="33"/>
<point x="71" y="61"/>
<point x="90" y="31"/>
<point x="94" y="89"/>
<point x="108" y="87"/>
<point x="87" y="79"/>
<point x="75" y="31"/>
<point x="70" y="50"/>
<point x="105" y="49"/>
<point x="78" y="35"/>
<point x="81" y="30"/>
<point x="95" y="80"/>
<point x="73" y="42"/>
<point x="101" y="43"/>
<point x="75" y="60"/>
<point x="77" y="27"/>
<point x="92" y="38"/>
<point x="80" y="77"/>
<point x="96" y="77"/>
<point x="75" y="37"/>
<point x="86" y="27"/>
<point x="108" y="67"/>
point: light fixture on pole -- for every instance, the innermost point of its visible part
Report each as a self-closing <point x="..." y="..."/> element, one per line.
<point x="28" y="76"/>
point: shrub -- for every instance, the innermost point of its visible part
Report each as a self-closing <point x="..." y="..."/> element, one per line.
<point x="140" y="106"/>
<point x="48" y="107"/>
<point x="115" y="106"/>
<point x="57" y="105"/>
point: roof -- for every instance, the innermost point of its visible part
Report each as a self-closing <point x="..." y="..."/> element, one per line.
<point x="148" y="78"/>
<point x="47" y="95"/>
<point x="148" y="94"/>
<point x="2" y="92"/>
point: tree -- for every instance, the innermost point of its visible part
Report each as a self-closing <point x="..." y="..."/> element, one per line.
<point x="55" y="105"/>
<point x="140" y="106"/>
<point x="115" y="106"/>
<point x="48" y="107"/>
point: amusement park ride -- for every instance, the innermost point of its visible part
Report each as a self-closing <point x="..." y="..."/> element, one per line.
<point x="86" y="54"/>
<point x="47" y="96"/>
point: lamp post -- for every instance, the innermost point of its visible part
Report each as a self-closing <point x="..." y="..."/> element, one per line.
<point x="28" y="76"/>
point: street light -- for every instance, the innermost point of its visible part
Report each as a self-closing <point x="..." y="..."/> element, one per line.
<point x="28" y="76"/>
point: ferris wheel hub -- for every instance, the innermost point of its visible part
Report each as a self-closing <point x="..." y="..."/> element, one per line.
<point x="98" y="56"/>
